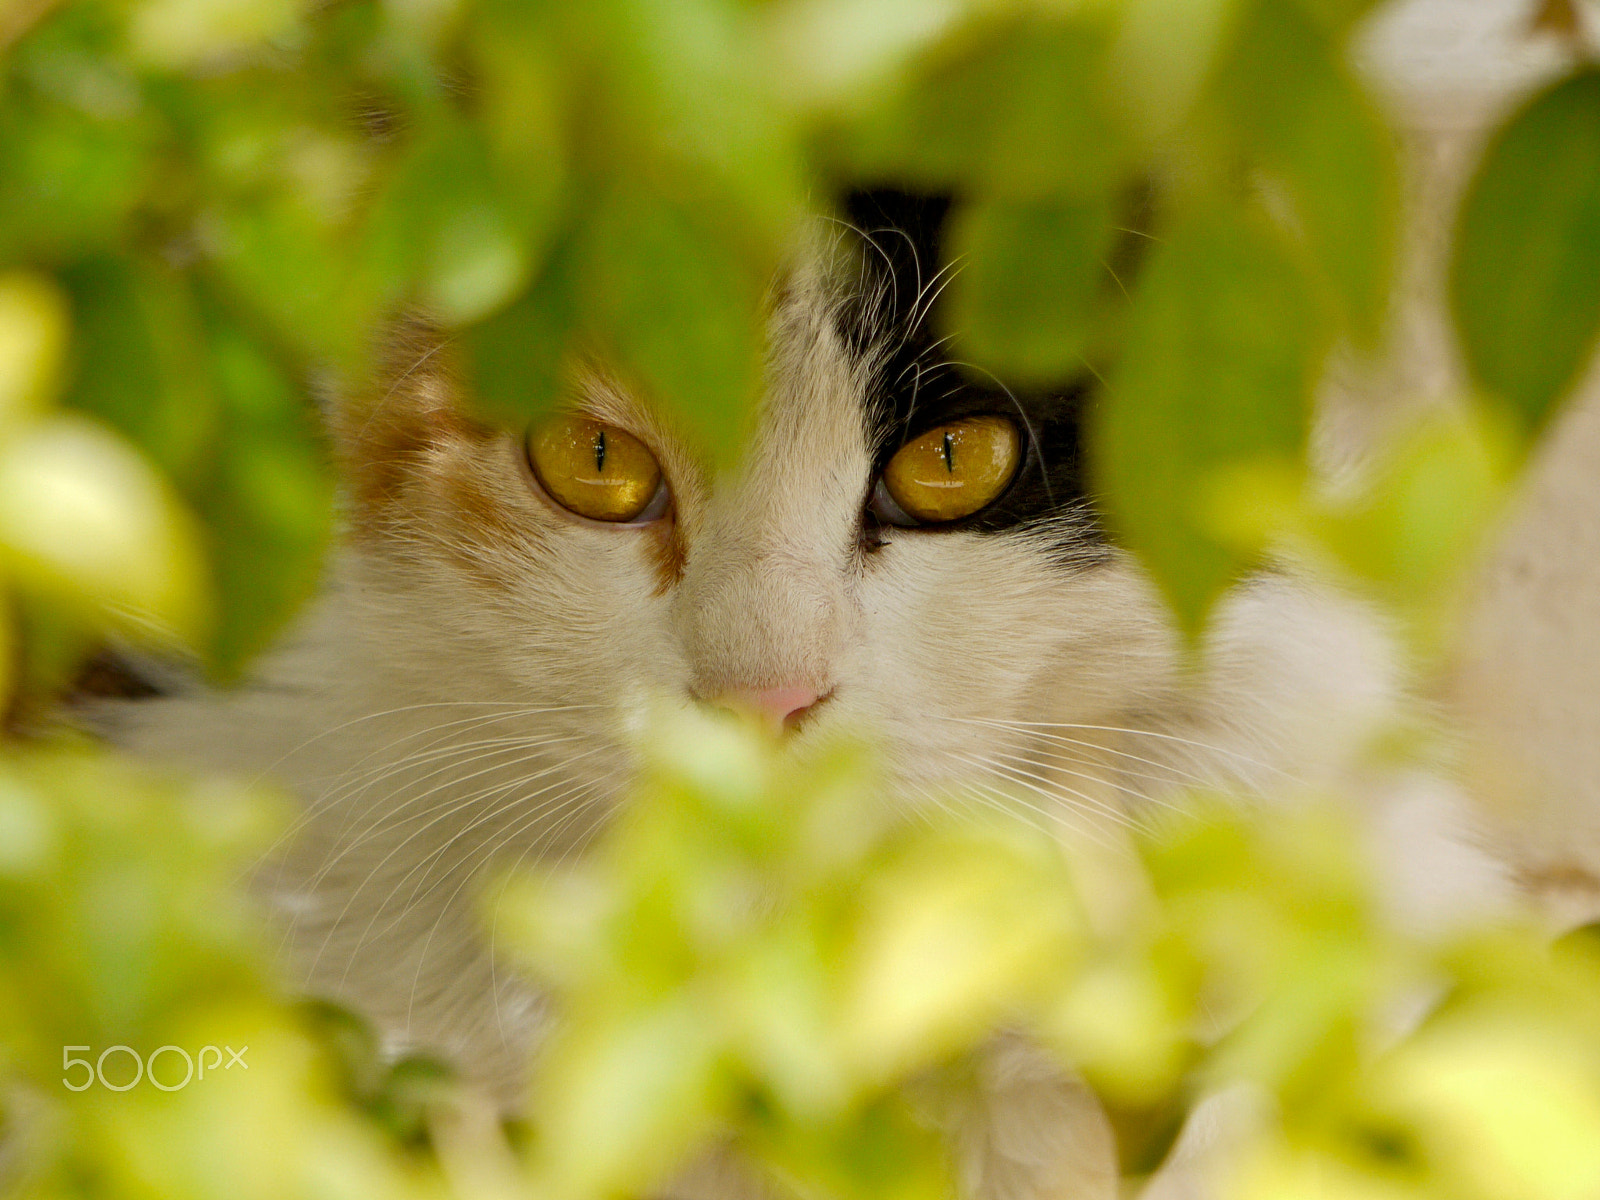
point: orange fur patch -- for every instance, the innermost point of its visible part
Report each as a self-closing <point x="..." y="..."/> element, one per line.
<point x="670" y="554"/>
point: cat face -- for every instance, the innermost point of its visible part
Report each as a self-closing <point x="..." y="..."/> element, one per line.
<point x="905" y="550"/>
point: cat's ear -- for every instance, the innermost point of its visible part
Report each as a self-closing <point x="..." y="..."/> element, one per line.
<point x="396" y="428"/>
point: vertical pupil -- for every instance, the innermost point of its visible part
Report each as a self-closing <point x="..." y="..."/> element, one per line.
<point x="949" y="455"/>
<point x="600" y="452"/>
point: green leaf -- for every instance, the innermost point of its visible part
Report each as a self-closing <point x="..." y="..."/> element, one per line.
<point x="687" y="104"/>
<point x="1506" y="1107"/>
<point x="172" y="368"/>
<point x="415" y="1085"/>
<point x="1013" y="108"/>
<point x="514" y="357"/>
<point x="524" y="111"/>
<point x="829" y="55"/>
<point x="679" y="309"/>
<point x="70" y="177"/>
<point x="1306" y="119"/>
<point x="1217" y="371"/>
<point x="138" y="361"/>
<point x="1524" y="287"/>
<point x="1162" y="57"/>
<point x="281" y="262"/>
<point x="1027" y="274"/>
<point x="447" y="233"/>
<point x="268" y="503"/>
<point x="1121" y="1026"/>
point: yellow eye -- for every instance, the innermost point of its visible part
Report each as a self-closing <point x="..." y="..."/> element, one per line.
<point x="954" y="470"/>
<point x="596" y="470"/>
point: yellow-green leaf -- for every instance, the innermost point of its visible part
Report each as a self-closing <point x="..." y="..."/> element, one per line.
<point x="623" y="1098"/>
<point x="952" y="933"/>
<point x="84" y="517"/>
<point x="33" y="335"/>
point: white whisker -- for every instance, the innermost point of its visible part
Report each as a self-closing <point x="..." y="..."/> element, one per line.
<point x="449" y="808"/>
<point x="1056" y="791"/>
<point x="1207" y="747"/>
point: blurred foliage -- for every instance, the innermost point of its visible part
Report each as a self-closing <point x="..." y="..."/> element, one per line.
<point x="1526" y="309"/>
<point x="772" y="955"/>
<point x="764" y="962"/>
<point x="210" y="209"/>
<point x="122" y="925"/>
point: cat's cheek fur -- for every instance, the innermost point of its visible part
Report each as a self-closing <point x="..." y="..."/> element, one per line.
<point x="951" y="671"/>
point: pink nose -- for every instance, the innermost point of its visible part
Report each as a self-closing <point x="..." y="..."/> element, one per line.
<point x="776" y="706"/>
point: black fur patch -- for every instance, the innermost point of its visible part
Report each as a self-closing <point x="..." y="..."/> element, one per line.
<point x="915" y="384"/>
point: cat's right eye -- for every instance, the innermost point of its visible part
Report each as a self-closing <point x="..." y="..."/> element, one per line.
<point x="596" y="470"/>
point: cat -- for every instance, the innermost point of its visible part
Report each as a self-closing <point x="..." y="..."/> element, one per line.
<point x="461" y="694"/>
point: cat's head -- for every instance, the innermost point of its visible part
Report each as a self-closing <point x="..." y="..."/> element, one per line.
<point x="907" y="549"/>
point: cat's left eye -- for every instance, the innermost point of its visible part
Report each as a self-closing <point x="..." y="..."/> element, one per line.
<point x="597" y="470"/>
<point x="950" y="472"/>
